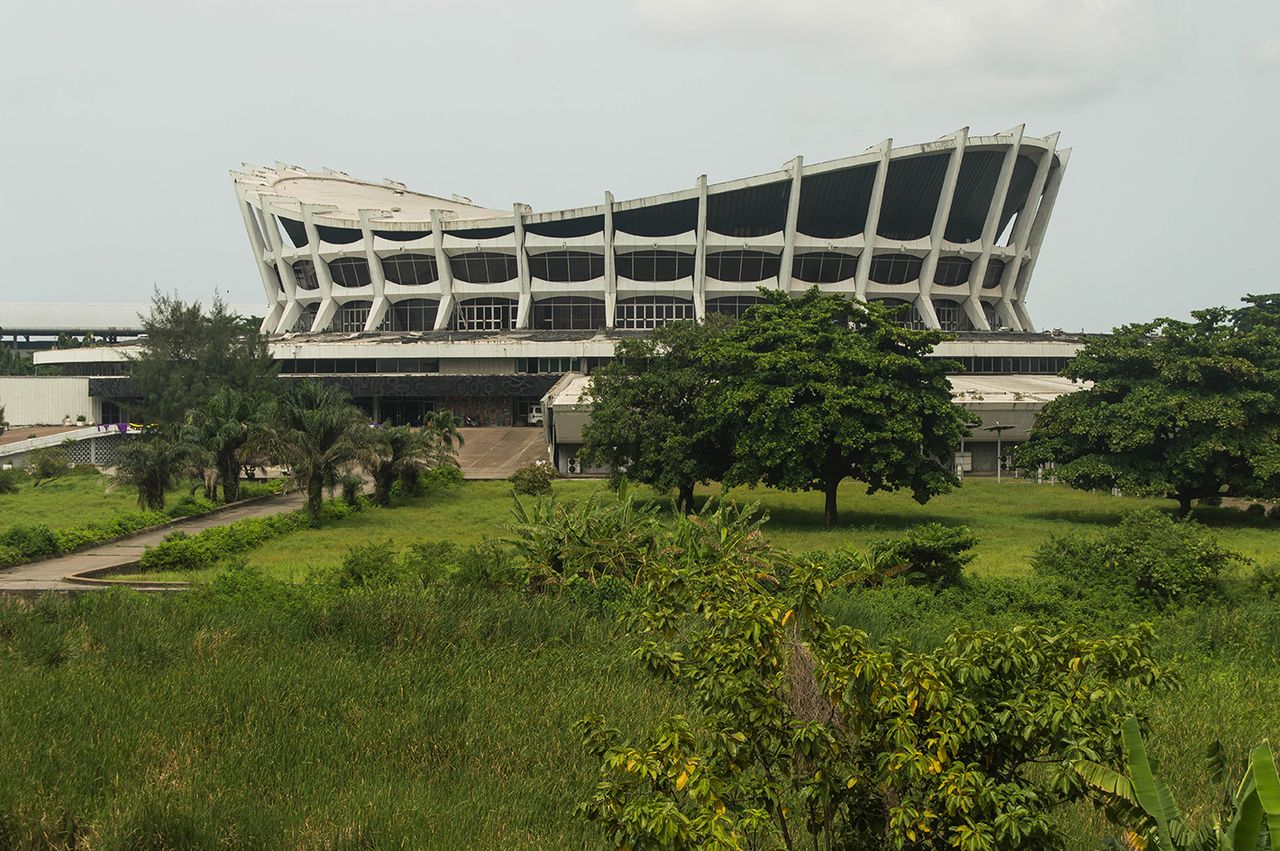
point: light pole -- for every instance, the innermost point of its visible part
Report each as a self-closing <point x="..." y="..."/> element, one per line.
<point x="999" y="430"/>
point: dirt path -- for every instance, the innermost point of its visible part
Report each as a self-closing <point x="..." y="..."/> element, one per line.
<point x="58" y="574"/>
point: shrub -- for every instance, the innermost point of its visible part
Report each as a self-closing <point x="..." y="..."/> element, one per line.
<point x="1150" y="554"/>
<point x="1273" y="513"/>
<point x="1266" y="580"/>
<point x="191" y="506"/>
<point x="371" y="565"/>
<point x="440" y="478"/>
<point x="32" y="541"/>
<point x="10" y="481"/>
<point x="352" y="486"/>
<point x="533" y="479"/>
<point x="48" y="464"/>
<point x="430" y="562"/>
<point x="1256" y="509"/>
<point x="932" y="553"/>
<point x="489" y="565"/>
<point x="9" y="556"/>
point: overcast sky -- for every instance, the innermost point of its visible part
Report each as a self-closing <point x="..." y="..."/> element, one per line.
<point x="120" y="120"/>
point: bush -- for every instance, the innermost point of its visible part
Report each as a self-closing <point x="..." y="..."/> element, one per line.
<point x="9" y="556"/>
<point x="10" y="481"/>
<point x="489" y="565"/>
<point x="1273" y="513"/>
<point x="48" y="464"/>
<point x="1256" y="509"/>
<point x="97" y="531"/>
<point x="533" y="479"/>
<point x="180" y="551"/>
<point x="32" y="541"/>
<point x="1266" y="581"/>
<point x="191" y="506"/>
<point x="1150" y="555"/>
<point x="430" y="562"/>
<point x="371" y="565"/>
<point x="440" y="478"/>
<point x="931" y="554"/>
<point x="352" y="486"/>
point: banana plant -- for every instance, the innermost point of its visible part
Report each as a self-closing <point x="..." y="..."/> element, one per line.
<point x="1256" y="800"/>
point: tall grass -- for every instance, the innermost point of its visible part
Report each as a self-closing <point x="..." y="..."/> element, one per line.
<point x="270" y="716"/>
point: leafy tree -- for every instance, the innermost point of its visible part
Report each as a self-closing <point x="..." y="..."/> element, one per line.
<point x="1175" y="409"/>
<point x="222" y="428"/>
<point x="821" y="388"/>
<point x="401" y="452"/>
<point x="152" y="464"/>
<point x="811" y="735"/>
<point x="15" y="362"/>
<point x="651" y="413"/>
<point x="188" y="353"/>
<point x="315" y="430"/>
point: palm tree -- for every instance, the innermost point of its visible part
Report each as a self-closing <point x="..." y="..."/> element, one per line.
<point x="400" y="452"/>
<point x="152" y="464"/>
<point x="315" y="431"/>
<point x="222" y="427"/>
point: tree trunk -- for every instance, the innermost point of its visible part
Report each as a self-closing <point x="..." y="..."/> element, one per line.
<point x="685" y="499"/>
<point x="830" y="491"/>
<point x="230" y="480"/>
<point x="315" y="494"/>
<point x="383" y="479"/>
<point x="1184" y="504"/>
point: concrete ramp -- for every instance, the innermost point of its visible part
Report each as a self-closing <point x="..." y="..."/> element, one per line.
<point x="496" y="453"/>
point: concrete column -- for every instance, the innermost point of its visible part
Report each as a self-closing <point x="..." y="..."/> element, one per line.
<point x="328" y="307"/>
<point x="924" y="304"/>
<point x="789" y="234"/>
<point x="260" y="249"/>
<point x="524" y="309"/>
<point x="700" y="254"/>
<point x="1038" y="229"/>
<point x="873" y="221"/>
<point x="380" y="301"/>
<point x="610" y="265"/>
<point x="973" y="305"/>
<point x="291" y="307"/>
<point x="1018" y="239"/>
<point x="445" y="313"/>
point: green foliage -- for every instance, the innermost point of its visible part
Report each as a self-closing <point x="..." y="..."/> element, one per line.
<point x="314" y="430"/>
<point x="810" y="733"/>
<point x="1149" y="555"/>
<point x="401" y="454"/>
<point x="152" y="464"/>
<point x="1175" y="409"/>
<point x="48" y="464"/>
<point x="932" y="553"/>
<point x="224" y="430"/>
<point x="438" y="479"/>
<point x="1144" y="803"/>
<point x="652" y="410"/>
<point x="817" y="389"/>
<point x="14" y="362"/>
<point x="533" y="479"/>
<point x="370" y="565"/>
<point x="604" y="535"/>
<point x="98" y="531"/>
<point x="1266" y="580"/>
<point x="30" y="541"/>
<point x="10" y="481"/>
<point x="191" y="506"/>
<point x="180" y="551"/>
<point x="189" y="355"/>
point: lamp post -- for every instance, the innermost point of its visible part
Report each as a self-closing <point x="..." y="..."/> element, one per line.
<point x="999" y="430"/>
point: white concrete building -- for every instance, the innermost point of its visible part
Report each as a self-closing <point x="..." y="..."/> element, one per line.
<point x="951" y="227"/>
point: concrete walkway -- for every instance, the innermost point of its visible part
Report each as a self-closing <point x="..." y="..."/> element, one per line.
<point x="497" y="452"/>
<point x="59" y="574"/>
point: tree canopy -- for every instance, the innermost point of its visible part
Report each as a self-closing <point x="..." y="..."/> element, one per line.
<point x="189" y="353"/>
<point x="1181" y="409"/>
<point x="817" y="389"/>
<point x="651" y="413"/>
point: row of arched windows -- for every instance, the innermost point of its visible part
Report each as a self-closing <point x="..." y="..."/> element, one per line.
<point x="576" y="313"/>
<point x="483" y="267"/>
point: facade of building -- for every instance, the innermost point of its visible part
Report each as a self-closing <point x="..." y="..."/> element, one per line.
<point x="951" y="228"/>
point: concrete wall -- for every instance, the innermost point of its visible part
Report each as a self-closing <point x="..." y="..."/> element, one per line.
<point x="39" y="400"/>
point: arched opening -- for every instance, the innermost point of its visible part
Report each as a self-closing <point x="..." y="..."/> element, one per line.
<point x="412" y="314"/>
<point x="743" y="266"/>
<point x="484" y="267"/>
<point x="485" y="314"/>
<point x="952" y="271"/>
<point x="350" y="272"/>
<point x="995" y="271"/>
<point x="352" y="316"/>
<point x="566" y="267"/>
<point x="410" y="269"/>
<point x="824" y="267"/>
<point x="655" y="265"/>
<point x="304" y="273"/>
<point x="894" y="268"/>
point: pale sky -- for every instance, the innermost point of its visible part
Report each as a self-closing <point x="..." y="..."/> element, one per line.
<point x="120" y="120"/>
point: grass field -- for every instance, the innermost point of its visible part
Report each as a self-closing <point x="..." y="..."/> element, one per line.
<point x="1011" y="519"/>
<point x="72" y="500"/>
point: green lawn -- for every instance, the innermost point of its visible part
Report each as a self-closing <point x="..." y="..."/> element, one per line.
<point x="72" y="500"/>
<point x="1011" y="519"/>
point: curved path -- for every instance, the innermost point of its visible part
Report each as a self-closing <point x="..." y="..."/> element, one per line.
<point x="60" y="573"/>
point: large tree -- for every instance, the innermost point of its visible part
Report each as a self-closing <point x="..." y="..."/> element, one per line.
<point x="400" y="452"/>
<point x="314" y="430"/>
<point x="188" y="353"/>
<point x="1173" y="408"/>
<point x="221" y="429"/>
<point x="822" y="388"/>
<point x="651" y="411"/>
